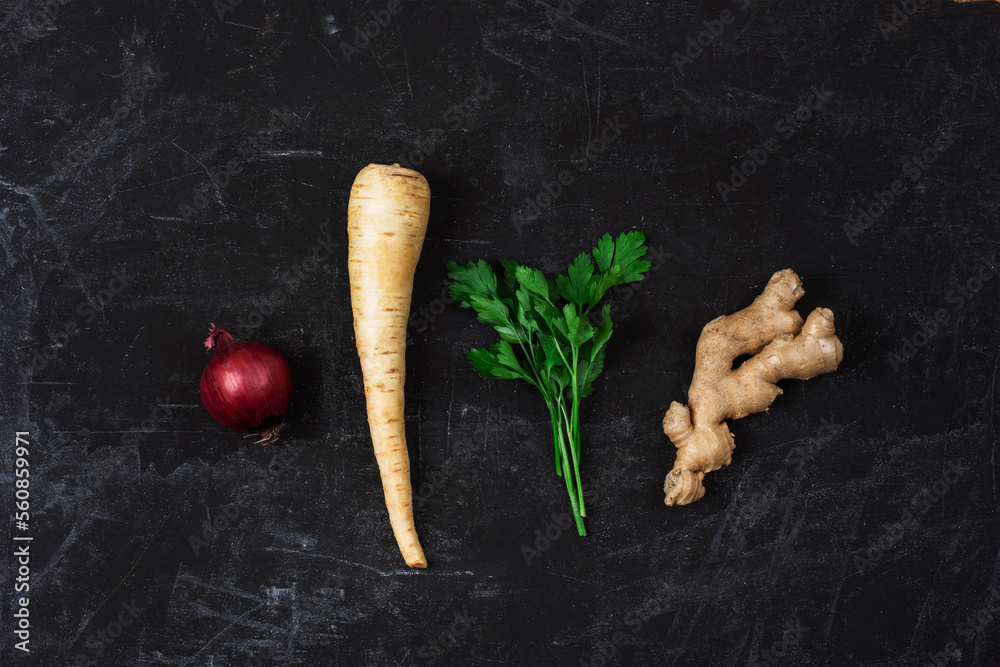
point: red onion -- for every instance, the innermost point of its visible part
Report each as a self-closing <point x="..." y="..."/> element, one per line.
<point x="246" y="386"/>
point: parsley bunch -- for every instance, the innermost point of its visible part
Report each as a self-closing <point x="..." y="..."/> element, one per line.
<point x="560" y="347"/>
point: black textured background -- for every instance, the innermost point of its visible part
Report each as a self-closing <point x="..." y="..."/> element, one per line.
<point x="309" y="573"/>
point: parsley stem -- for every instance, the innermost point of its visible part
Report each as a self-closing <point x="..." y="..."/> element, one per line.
<point x="554" y="417"/>
<point x="574" y="426"/>
<point x="574" y="448"/>
<point x="529" y="355"/>
<point x="567" y="475"/>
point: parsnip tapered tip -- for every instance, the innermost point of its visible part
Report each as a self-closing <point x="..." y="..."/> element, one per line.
<point x="417" y="562"/>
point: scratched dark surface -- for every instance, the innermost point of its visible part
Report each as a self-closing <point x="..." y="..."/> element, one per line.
<point x="308" y="572"/>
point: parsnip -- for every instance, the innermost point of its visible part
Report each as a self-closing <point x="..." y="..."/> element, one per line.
<point x="386" y="221"/>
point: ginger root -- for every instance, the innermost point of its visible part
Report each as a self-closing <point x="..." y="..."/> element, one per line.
<point x="782" y="347"/>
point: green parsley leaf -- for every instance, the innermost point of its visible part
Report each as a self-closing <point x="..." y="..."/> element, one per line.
<point x="474" y="279"/>
<point x="576" y="287"/>
<point x="533" y="280"/>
